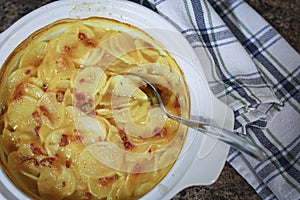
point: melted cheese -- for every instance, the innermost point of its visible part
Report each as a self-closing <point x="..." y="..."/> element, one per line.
<point x="75" y="125"/>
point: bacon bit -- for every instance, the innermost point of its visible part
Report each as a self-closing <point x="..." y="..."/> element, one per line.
<point x="67" y="48"/>
<point x="28" y="159"/>
<point x="60" y="95"/>
<point x="90" y="43"/>
<point x="27" y="71"/>
<point x="35" y="150"/>
<point x="148" y="45"/>
<point x="79" y="138"/>
<point x="118" y="107"/>
<point x="143" y="87"/>
<point x="37" y="131"/>
<point x="123" y="135"/>
<point x="176" y="103"/>
<point x="93" y="113"/>
<point x="68" y="164"/>
<point x="150" y="150"/>
<point x="81" y="80"/>
<point x="162" y="132"/>
<point x="80" y="96"/>
<point x="128" y="145"/>
<point x="35" y="162"/>
<point x="36" y="118"/>
<point x="63" y="184"/>
<point x="87" y="42"/>
<point x="81" y="36"/>
<point x="87" y="195"/>
<point x="56" y="155"/>
<point x="156" y="131"/>
<point x="106" y="180"/>
<point x="137" y="168"/>
<point x="47" y="162"/>
<point x="64" y="140"/>
<point x="43" y="110"/>
<point x="157" y="135"/>
<point x="18" y="93"/>
<point x="45" y="86"/>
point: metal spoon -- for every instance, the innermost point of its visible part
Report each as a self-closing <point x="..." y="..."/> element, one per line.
<point x="235" y="139"/>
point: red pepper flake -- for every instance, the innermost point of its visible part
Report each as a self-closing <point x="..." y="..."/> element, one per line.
<point x="60" y="95"/>
<point x="68" y="164"/>
<point x="47" y="162"/>
<point x="35" y="150"/>
<point x="63" y="184"/>
<point x="64" y="140"/>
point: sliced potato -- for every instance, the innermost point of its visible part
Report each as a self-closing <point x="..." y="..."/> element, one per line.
<point x="51" y="111"/>
<point x="89" y="165"/>
<point x="100" y="187"/>
<point x="19" y="114"/>
<point x="55" y="185"/>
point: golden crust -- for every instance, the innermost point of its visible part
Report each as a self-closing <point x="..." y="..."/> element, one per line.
<point x="74" y="125"/>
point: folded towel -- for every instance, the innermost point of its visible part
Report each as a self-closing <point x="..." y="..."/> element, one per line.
<point x="253" y="70"/>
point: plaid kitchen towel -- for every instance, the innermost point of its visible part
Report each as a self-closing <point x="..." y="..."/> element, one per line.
<point x="259" y="74"/>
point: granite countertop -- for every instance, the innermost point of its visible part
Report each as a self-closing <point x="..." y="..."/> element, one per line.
<point x="281" y="14"/>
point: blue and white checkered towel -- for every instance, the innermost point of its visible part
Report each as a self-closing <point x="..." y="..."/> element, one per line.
<point x="261" y="75"/>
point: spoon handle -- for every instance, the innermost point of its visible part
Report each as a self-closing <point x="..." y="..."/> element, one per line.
<point x="234" y="139"/>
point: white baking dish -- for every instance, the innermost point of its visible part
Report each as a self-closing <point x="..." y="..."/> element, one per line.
<point x="202" y="158"/>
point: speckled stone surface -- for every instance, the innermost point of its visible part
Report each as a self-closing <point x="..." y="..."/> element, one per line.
<point x="284" y="15"/>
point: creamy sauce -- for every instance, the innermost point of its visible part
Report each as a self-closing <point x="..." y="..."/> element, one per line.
<point x="74" y="125"/>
